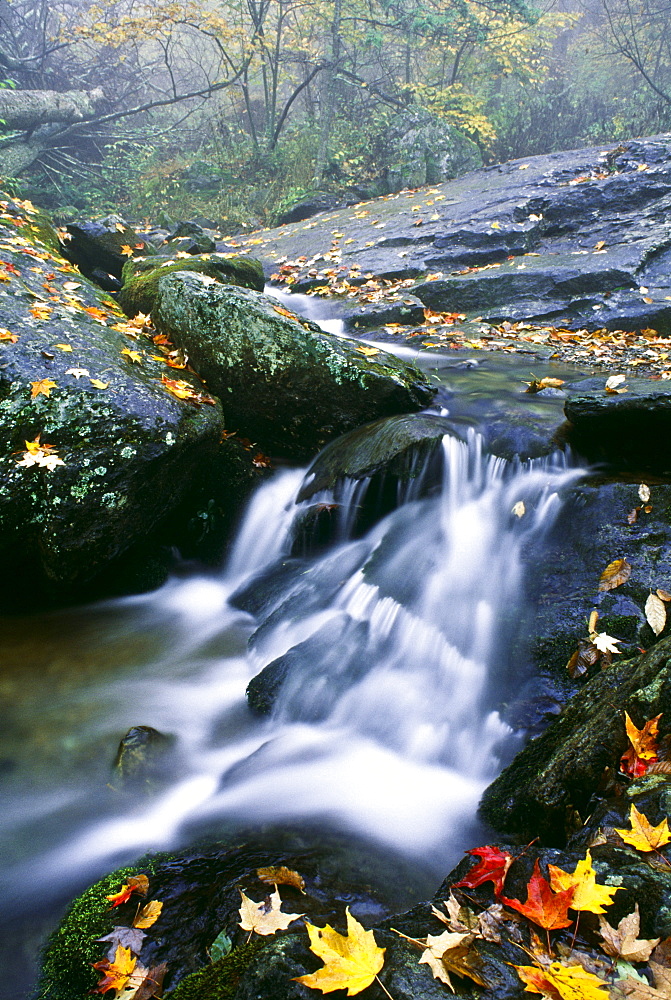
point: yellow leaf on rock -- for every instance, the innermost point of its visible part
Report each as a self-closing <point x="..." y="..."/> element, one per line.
<point x="117" y="973"/>
<point x="643" y="835"/>
<point x="451" y="952"/>
<point x="132" y="355"/>
<point x="148" y="915"/>
<point x="98" y="383"/>
<point x="350" y="962"/>
<point x="368" y="351"/>
<point x="64" y="347"/>
<point x="615" y="574"/>
<point x="566" y="982"/>
<point x="42" y="387"/>
<point x="265" y="917"/>
<point x="588" y="895"/>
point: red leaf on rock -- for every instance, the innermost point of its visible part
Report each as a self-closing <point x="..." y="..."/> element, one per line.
<point x="492" y="867"/>
<point x="544" y="907"/>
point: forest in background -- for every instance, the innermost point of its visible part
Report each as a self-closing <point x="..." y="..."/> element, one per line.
<point x="233" y="110"/>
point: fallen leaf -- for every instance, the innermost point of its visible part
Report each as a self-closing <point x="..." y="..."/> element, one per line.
<point x="543" y="383"/>
<point x="281" y="875"/>
<point x="660" y="966"/>
<point x="184" y="390"/>
<point x="623" y="942"/>
<point x="368" y="351"/>
<point x="588" y="895"/>
<point x="644" y="492"/>
<point x="78" y="372"/>
<point x="543" y="907"/>
<point x="519" y="510"/>
<point x="614" y="382"/>
<point x="221" y="946"/>
<point x="64" y="347"/>
<point x="117" y="973"/>
<point x="637" y="990"/>
<point x="98" y="384"/>
<point x="42" y="387"/>
<point x="7" y="337"/>
<point x="655" y="613"/>
<point x="565" y="982"/>
<point x="604" y="642"/>
<point x="126" y="250"/>
<point x="136" y="883"/>
<point x="350" y="962"/>
<point x="663" y="595"/>
<point x="127" y="937"/>
<point x="133" y="356"/>
<point x="643" y="749"/>
<point x="149" y="914"/>
<point x="265" y="917"/>
<point x="643" y="835"/>
<point x="615" y="574"/>
<point x="492" y="867"/>
<point x="450" y="952"/>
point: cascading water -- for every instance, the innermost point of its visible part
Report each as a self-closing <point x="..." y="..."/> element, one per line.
<point x="396" y="645"/>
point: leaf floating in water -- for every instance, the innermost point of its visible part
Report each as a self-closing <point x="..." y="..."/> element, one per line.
<point x="519" y="510"/>
<point x="615" y="574"/>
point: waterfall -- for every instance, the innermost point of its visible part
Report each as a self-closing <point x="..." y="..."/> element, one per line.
<point x="395" y="655"/>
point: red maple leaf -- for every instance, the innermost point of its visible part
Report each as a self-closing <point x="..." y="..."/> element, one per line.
<point x="493" y="867"/>
<point x="544" y="907"/>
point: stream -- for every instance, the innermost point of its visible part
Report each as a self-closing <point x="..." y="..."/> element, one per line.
<point x="389" y="726"/>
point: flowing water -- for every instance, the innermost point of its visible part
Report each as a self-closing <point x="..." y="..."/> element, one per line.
<point x="388" y="724"/>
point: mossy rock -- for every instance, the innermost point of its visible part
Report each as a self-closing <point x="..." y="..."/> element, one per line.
<point x="281" y="379"/>
<point x="220" y="980"/>
<point x="141" y="276"/>
<point x="102" y="244"/>
<point x="548" y="788"/>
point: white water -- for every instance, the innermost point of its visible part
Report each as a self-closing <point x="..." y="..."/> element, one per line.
<point x="388" y="723"/>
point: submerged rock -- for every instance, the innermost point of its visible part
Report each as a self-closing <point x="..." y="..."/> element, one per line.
<point x="282" y="380"/>
<point x="141" y="758"/>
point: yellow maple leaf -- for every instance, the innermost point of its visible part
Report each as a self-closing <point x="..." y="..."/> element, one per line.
<point x="644" y="741"/>
<point x="351" y="962"/>
<point x="42" y="387"/>
<point x="588" y="895"/>
<point x="568" y="982"/>
<point x="265" y="917"/>
<point x="64" y="347"/>
<point x="98" y="383"/>
<point x="132" y="355"/>
<point x="643" y="835"/>
<point x="6" y="335"/>
<point x="126" y="250"/>
<point x="117" y="973"/>
<point x="368" y="351"/>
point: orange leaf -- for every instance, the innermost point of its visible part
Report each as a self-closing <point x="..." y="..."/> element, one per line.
<point x="136" y="883"/>
<point x="43" y="387"/>
<point x="562" y="982"/>
<point x="543" y="907"/>
<point x="643" y="749"/>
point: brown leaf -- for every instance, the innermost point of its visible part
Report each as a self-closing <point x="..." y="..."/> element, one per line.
<point x="623" y="942"/>
<point x="280" y="875"/>
<point x="615" y="574"/>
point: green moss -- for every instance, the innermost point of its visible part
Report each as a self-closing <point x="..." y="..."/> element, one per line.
<point x="218" y="981"/>
<point x="70" y="950"/>
<point x="140" y="286"/>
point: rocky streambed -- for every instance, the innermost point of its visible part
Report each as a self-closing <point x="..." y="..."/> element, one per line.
<point x="126" y="438"/>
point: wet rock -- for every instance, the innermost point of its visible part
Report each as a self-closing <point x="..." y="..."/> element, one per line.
<point x="574" y="238"/>
<point x="141" y="276"/>
<point x="141" y="758"/>
<point x="99" y="245"/>
<point x="548" y="788"/>
<point x="287" y="383"/>
<point x="131" y="450"/>
<point x="199" y="241"/>
<point x="199" y="889"/>
<point x="629" y="430"/>
<point x="408" y="311"/>
<point x="400" y="445"/>
<point x="305" y="208"/>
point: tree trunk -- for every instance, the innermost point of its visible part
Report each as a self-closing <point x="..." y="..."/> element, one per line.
<point x="28" y="109"/>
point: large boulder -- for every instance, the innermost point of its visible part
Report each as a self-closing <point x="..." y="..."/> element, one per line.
<point x="77" y="377"/>
<point x="141" y="275"/>
<point x="420" y="148"/>
<point x="630" y="429"/>
<point x="282" y="380"/>
<point x="576" y="238"/>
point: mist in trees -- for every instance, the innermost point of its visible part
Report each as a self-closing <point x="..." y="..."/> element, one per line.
<point x="233" y="109"/>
